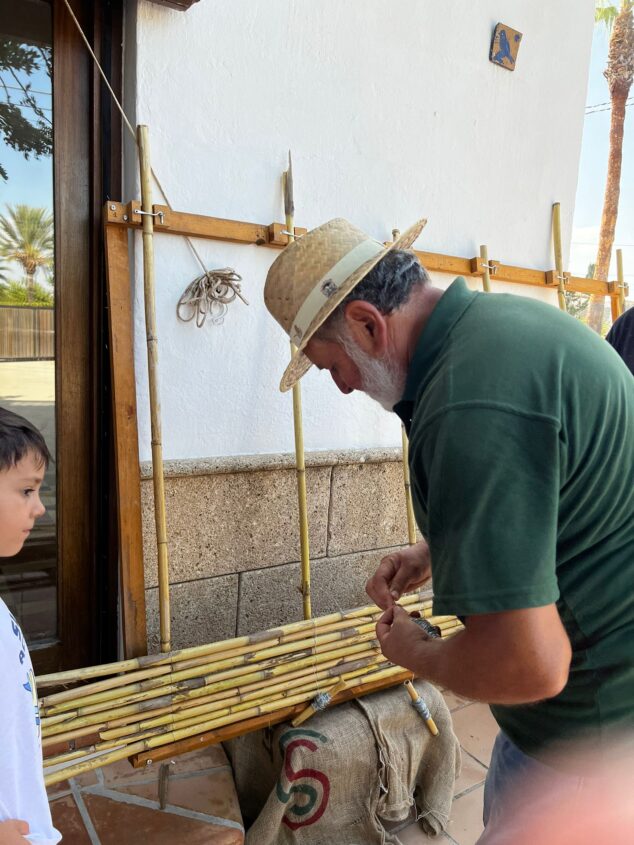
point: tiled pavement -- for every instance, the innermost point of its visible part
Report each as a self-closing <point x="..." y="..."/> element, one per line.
<point x="120" y="805"/>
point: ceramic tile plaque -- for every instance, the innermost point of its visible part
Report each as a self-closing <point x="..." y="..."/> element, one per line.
<point x="505" y="46"/>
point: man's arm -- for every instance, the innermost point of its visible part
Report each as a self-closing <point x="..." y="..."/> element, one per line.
<point x="512" y="657"/>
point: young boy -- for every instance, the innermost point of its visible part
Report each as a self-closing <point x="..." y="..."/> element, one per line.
<point x="24" y="810"/>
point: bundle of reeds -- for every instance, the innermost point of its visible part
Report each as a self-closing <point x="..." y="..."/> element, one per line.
<point x="129" y="707"/>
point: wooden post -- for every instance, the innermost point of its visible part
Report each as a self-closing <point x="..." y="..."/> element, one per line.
<point x="559" y="261"/>
<point x="486" y="276"/>
<point x="126" y="443"/>
<point x="155" y="401"/>
<point x="300" y="462"/>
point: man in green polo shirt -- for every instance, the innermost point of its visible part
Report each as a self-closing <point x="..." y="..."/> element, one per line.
<point x="521" y="427"/>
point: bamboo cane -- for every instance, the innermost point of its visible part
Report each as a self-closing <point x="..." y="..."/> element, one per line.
<point x="421" y="708"/>
<point x="234" y="705"/>
<point x="184" y="683"/>
<point x="559" y="261"/>
<point x="620" y="276"/>
<point x="332" y="669"/>
<point x="234" y="696"/>
<point x="318" y="704"/>
<point x="135" y="713"/>
<point x="264" y="657"/>
<point x="411" y="520"/>
<point x="77" y="675"/>
<point x="165" y="738"/>
<point x="227" y="679"/>
<point x="300" y="463"/>
<point x="222" y="660"/>
<point x="486" y="268"/>
<point x="155" y="402"/>
<point x="268" y="660"/>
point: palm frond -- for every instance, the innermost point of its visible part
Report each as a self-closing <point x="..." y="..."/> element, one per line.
<point x="605" y="14"/>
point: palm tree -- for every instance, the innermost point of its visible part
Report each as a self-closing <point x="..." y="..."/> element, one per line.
<point x="619" y="73"/>
<point x="26" y="237"/>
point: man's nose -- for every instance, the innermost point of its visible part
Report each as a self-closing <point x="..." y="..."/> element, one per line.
<point x="341" y="384"/>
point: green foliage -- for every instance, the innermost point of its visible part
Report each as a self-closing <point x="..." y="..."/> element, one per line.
<point x="26" y="237"/>
<point x="606" y="13"/>
<point x="27" y="136"/>
<point x="16" y="293"/>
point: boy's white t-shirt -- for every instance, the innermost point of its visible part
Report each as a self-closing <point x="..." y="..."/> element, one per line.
<point x="22" y="792"/>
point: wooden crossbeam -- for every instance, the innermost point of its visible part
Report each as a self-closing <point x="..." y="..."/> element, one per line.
<point x="271" y="235"/>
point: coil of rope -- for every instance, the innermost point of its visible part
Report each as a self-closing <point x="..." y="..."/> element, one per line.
<point x="208" y="296"/>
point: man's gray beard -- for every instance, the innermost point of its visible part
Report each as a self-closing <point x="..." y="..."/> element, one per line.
<point x="381" y="379"/>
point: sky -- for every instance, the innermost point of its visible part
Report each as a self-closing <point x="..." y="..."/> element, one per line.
<point x="592" y="173"/>
<point x="31" y="181"/>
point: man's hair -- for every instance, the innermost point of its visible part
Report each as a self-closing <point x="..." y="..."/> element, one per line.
<point x="388" y="286"/>
<point x="18" y="437"/>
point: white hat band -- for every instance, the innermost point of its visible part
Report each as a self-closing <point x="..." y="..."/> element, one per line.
<point x="330" y="283"/>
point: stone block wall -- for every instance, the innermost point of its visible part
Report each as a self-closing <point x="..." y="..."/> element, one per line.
<point x="234" y="538"/>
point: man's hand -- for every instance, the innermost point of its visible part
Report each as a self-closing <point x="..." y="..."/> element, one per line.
<point x="399" y="572"/>
<point x="13" y="832"/>
<point x="400" y="637"/>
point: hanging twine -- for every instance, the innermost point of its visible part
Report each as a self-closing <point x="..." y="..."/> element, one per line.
<point x="209" y="296"/>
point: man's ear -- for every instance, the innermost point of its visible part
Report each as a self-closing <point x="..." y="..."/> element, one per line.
<point x="367" y="326"/>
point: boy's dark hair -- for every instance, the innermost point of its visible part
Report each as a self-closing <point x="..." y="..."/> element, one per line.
<point x="18" y="437"/>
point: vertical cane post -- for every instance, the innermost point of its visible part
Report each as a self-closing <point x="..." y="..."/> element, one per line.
<point x="155" y="401"/>
<point x="298" y="425"/>
<point x="486" y="274"/>
<point x="411" y="520"/>
<point x="559" y="260"/>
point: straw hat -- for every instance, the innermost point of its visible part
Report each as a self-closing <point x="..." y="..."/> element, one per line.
<point x="314" y="274"/>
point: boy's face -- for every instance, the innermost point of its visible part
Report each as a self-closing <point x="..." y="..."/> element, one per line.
<point x="20" y="503"/>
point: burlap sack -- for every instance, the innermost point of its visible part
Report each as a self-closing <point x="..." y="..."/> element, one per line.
<point x="332" y="780"/>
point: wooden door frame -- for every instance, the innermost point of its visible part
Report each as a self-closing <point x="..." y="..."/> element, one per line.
<point x="86" y="169"/>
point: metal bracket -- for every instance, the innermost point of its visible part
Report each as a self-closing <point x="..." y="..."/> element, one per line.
<point x="159" y="214"/>
<point x="478" y="266"/>
<point x="553" y="278"/>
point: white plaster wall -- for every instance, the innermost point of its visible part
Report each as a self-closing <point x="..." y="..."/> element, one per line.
<point x="393" y="111"/>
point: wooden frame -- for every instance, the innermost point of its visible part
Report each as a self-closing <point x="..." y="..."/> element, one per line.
<point x="270" y="235"/>
<point x="86" y="166"/>
<point x="118" y="219"/>
<point x="126" y="440"/>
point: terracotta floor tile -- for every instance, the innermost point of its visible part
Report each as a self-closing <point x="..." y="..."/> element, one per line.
<point x="413" y="835"/>
<point x="125" y="824"/>
<point x="62" y="788"/>
<point x="476" y="729"/>
<point x="471" y="773"/>
<point x="86" y="779"/>
<point x="454" y="702"/>
<point x="195" y="761"/>
<point x="207" y="758"/>
<point x="212" y="793"/>
<point x="122" y="771"/>
<point x="465" y="824"/>
<point x="68" y="821"/>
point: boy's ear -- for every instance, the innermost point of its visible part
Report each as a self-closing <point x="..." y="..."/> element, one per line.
<point x="367" y="326"/>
